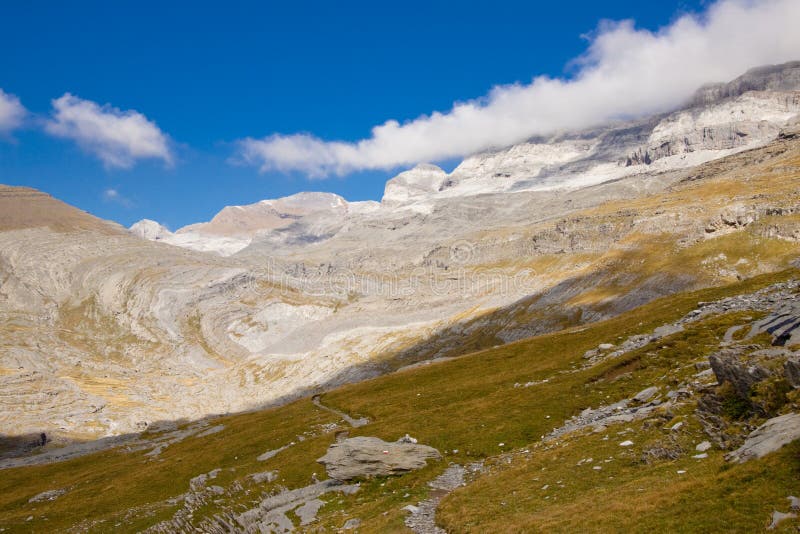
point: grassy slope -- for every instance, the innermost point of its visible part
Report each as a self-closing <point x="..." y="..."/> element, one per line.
<point x="630" y="493"/>
<point x="103" y="486"/>
<point x="468" y="404"/>
<point x="471" y="405"/>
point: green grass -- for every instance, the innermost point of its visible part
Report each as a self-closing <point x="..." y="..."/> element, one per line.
<point x="636" y="495"/>
<point x="104" y="485"/>
<point x="627" y="495"/>
<point x="469" y="404"/>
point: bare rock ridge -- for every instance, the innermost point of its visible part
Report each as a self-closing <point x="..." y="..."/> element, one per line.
<point x="268" y="214"/>
<point x="234" y="227"/>
<point x="415" y="184"/>
<point x="784" y="77"/>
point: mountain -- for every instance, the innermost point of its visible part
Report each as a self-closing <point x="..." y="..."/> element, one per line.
<point x="416" y="184"/>
<point x="234" y="227"/>
<point x="526" y="315"/>
<point x="105" y="332"/>
<point x="148" y="229"/>
<point x="720" y="120"/>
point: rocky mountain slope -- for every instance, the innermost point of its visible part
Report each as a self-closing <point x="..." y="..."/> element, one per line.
<point x="105" y="333"/>
<point x="625" y="293"/>
<point x="644" y="413"/>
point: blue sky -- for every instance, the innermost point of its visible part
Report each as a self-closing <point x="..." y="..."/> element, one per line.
<point x="209" y="74"/>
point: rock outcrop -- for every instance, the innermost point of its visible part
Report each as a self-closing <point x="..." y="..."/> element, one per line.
<point x="784" y="77"/>
<point x="783" y="325"/>
<point x="769" y="437"/>
<point x="736" y="367"/>
<point x="791" y="369"/>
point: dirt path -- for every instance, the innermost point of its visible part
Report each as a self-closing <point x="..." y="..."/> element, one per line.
<point x="422" y="519"/>
<point x="355" y="423"/>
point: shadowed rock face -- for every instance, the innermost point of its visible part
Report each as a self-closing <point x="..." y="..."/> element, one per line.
<point x="733" y="366"/>
<point x="783" y="325"/>
<point x="365" y="457"/>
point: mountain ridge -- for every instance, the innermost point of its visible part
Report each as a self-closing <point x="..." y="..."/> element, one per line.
<point x="720" y="120"/>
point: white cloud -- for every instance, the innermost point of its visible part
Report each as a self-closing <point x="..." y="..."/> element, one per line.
<point x="117" y="137"/>
<point x="113" y="195"/>
<point x="625" y="72"/>
<point x="11" y="112"/>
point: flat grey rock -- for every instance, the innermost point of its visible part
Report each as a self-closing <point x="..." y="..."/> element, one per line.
<point x="307" y="512"/>
<point x="767" y="438"/>
<point x="703" y="446"/>
<point x="266" y="476"/>
<point x="271" y="514"/>
<point x="49" y="495"/>
<point x="270" y="454"/>
<point x="666" y="330"/>
<point x="646" y="394"/>
<point x="199" y="482"/>
<point x="364" y="457"/>
<point x="778" y="518"/>
<point x="351" y="524"/>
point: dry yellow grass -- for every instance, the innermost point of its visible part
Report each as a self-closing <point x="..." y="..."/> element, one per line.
<point x="23" y="207"/>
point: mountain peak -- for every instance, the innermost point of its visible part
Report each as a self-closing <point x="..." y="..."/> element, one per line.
<point x="413" y="184"/>
<point x="149" y="229"/>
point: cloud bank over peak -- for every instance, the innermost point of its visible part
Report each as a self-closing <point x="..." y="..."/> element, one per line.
<point x="625" y="72"/>
<point x="118" y="138"/>
<point x="11" y="112"/>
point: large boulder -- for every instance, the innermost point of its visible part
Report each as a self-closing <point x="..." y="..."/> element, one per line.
<point x="767" y="438"/>
<point x="364" y="457"/>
